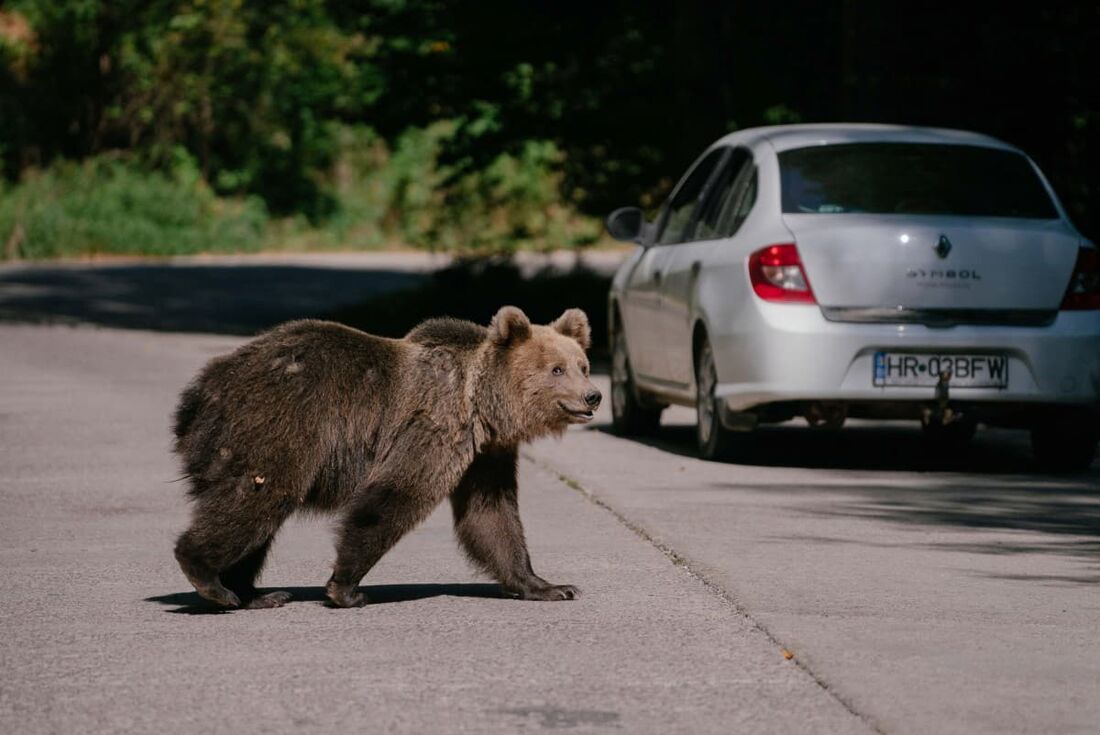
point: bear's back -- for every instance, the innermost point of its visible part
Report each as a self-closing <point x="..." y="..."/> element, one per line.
<point x="448" y="332"/>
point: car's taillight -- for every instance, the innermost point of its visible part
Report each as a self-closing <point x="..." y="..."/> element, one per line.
<point x="1084" y="284"/>
<point x="777" y="274"/>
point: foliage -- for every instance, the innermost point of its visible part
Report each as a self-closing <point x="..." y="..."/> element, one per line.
<point x="443" y="124"/>
<point x="407" y="195"/>
<point x="107" y="204"/>
<point x="250" y="88"/>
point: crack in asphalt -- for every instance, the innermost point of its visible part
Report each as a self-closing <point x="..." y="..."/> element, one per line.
<point x="679" y="560"/>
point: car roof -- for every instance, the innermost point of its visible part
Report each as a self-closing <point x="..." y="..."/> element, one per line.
<point x="786" y="137"/>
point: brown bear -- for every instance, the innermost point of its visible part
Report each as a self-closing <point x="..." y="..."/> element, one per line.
<point x="318" y="416"/>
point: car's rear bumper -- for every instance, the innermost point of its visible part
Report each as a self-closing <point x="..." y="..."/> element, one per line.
<point x="792" y="353"/>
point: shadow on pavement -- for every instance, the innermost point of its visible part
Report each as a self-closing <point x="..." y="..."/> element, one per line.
<point x="476" y="289"/>
<point x="1060" y="506"/>
<point x="1060" y="514"/>
<point x="189" y="603"/>
<point x="992" y="486"/>
<point x="222" y="299"/>
<point x="872" y="447"/>
<point x="244" y="298"/>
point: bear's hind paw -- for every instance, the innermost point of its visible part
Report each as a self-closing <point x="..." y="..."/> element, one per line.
<point x="553" y="592"/>
<point x="268" y="601"/>
<point x="219" y="595"/>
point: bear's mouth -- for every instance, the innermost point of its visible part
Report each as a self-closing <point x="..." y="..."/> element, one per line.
<point x="578" y="415"/>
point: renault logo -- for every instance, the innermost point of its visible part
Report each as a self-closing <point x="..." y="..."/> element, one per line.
<point x="943" y="247"/>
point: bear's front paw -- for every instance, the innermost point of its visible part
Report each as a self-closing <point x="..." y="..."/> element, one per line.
<point x="341" y="596"/>
<point x="553" y="592"/>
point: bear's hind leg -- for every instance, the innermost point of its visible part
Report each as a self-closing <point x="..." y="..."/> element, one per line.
<point x="202" y="575"/>
<point x="240" y="579"/>
<point x="222" y="558"/>
<point x="381" y="516"/>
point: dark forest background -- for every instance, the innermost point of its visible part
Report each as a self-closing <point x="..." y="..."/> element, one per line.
<point x="169" y="126"/>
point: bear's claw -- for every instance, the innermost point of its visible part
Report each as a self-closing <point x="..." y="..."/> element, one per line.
<point x="219" y="595"/>
<point x="268" y="601"/>
<point x="553" y="592"/>
<point x="344" y="596"/>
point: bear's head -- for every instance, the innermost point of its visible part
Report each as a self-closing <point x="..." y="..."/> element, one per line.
<point x="545" y="371"/>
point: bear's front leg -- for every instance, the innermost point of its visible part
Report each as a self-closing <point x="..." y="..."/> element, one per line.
<point x="383" y="513"/>
<point x="486" y="513"/>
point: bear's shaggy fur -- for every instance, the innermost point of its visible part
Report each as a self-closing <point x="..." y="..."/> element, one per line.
<point x="318" y="416"/>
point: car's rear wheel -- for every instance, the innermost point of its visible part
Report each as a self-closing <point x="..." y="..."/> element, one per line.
<point x="713" y="439"/>
<point x="1065" y="443"/>
<point x="629" y="416"/>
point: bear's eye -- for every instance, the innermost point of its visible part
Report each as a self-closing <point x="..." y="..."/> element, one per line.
<point x="558" y="370"/>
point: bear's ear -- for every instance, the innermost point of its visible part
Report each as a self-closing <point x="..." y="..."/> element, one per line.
<point x="574" y="323"/>
<point x="510" y="326"/>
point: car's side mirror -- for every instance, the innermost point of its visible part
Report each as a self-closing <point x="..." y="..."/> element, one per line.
<point x="626" y="224"/>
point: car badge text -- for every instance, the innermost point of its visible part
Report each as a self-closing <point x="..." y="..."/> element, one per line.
<point x="936" y="274"/>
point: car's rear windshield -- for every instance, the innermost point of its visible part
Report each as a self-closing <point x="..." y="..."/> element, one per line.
<point x="912" y="178"/>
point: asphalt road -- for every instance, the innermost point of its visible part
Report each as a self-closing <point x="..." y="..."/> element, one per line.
<point x="912" y="593"/>
<point x="930" y="595"/>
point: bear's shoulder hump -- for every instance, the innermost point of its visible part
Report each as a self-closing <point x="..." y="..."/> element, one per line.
<point x="448" y="331"/>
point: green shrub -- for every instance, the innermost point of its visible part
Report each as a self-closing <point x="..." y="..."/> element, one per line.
<point x="111" y="204"/>
<point x="513" y="201"/>
<point x="382" y="197"/>
<point x="407" y="196"/>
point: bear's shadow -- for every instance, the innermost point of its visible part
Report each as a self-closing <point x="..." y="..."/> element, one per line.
<point x="189" y="603"/>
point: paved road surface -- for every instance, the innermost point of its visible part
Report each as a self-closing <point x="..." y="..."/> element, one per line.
<point x="931" y="596"/>
<point x="98" y="635"/>
<point x="917" y="594"/>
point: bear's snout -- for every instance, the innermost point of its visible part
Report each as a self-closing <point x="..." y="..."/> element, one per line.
<point x="593" y="398"/>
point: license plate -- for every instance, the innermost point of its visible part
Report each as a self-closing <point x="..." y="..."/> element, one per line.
<point x="923" y="370"/>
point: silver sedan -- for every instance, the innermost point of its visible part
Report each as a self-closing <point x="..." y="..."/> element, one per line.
<point x="834" y="271"/>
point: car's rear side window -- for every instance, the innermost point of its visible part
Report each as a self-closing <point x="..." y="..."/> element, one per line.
<point x="724" y="191"/>
<point x="912" y="178"/>
<point x="678" y="216"/>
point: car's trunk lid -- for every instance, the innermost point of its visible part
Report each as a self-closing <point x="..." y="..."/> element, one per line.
<point x="935" y="269"/>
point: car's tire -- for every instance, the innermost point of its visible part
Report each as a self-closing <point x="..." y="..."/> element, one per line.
<point x="629" y="416"/>
<point x="1065" y="444"/>
<point x="714" y="440"/>
<point x="955" y="436"/>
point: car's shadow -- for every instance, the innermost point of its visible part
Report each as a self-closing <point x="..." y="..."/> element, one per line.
<point x="992" y="485"/>
<point x="1024" y="515"/>
<point x="863" y="447"/>
<point x="189" y="603"/>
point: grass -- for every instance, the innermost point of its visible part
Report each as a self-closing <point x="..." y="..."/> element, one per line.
<point x="109" y="205"/>
<point x="115" y="204"/>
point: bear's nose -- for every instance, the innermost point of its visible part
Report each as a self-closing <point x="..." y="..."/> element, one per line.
<point x="592" y="398"/>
